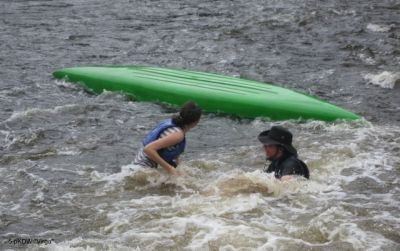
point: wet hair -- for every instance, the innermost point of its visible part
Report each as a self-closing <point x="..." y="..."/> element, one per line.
<point x="286" y="153"/>
<point x="190" y="113"/>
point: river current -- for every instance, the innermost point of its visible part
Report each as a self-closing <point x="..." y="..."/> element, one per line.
<point x="67" y="182"/>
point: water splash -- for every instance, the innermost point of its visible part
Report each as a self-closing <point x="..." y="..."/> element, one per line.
<point x="385" y="79"/>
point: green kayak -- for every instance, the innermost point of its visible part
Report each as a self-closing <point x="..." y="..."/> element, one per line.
<point x="214" y="93"/>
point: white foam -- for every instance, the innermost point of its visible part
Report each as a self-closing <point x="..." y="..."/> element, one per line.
<point x="17" y="115"/>
<point x="133" y="177"/>
<point x="320" y="75"/>
<point x="359" y="239"/>
<point x="366" y="59"/>
<point x="115" y="177"/>
<point x="68" y="152"/>
<point x="378" y="28"/>
<point x="68" y="196"/>
<point x="296" y="213"/>
<point x="384" y="79"/>
<point x="68" y="85"/>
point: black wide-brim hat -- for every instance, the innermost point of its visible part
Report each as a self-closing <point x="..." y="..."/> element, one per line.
<point x="278" y="135"/>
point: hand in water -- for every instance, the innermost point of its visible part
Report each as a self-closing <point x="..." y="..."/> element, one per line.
<point x="174" y="172"/>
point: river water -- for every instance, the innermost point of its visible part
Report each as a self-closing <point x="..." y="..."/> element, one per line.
<point x="67" y="182"/>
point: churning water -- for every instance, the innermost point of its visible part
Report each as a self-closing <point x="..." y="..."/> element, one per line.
<point x="66" y="179"/>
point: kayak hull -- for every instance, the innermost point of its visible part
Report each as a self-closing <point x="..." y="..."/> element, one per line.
<point x="214" y="93"/>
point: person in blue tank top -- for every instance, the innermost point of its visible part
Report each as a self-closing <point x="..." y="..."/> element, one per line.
<point x="278" y="149"/>
<point x="163" y="145"/>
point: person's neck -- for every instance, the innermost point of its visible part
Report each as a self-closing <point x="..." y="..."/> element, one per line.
<point x="185" y="129"/>
<point x="278" y="156"/>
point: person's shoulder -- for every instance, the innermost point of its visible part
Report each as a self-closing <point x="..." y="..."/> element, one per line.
<point x="296" y="165"/>
<point x="173" y="129"/>
<point x="293" y="162"/>
<point x="174" y="132"/>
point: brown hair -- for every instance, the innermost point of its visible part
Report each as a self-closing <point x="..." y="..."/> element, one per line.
<point x="190" y="113"/>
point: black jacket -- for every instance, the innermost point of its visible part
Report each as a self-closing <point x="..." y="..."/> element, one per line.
<point x="288" y="165"/>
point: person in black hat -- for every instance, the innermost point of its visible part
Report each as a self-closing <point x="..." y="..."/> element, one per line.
<point x="283" y="156"/>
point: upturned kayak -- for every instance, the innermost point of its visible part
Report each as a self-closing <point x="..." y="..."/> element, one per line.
<point x="213" y="92"/>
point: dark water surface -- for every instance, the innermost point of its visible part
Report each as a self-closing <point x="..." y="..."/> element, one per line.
<point x="66" y="178"/>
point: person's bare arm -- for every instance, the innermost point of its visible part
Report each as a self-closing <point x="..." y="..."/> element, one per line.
<point x="152" y="148"/>
<point x="286" y="177"/>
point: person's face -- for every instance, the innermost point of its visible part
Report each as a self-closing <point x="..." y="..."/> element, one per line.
<point x="271" y="151"/>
